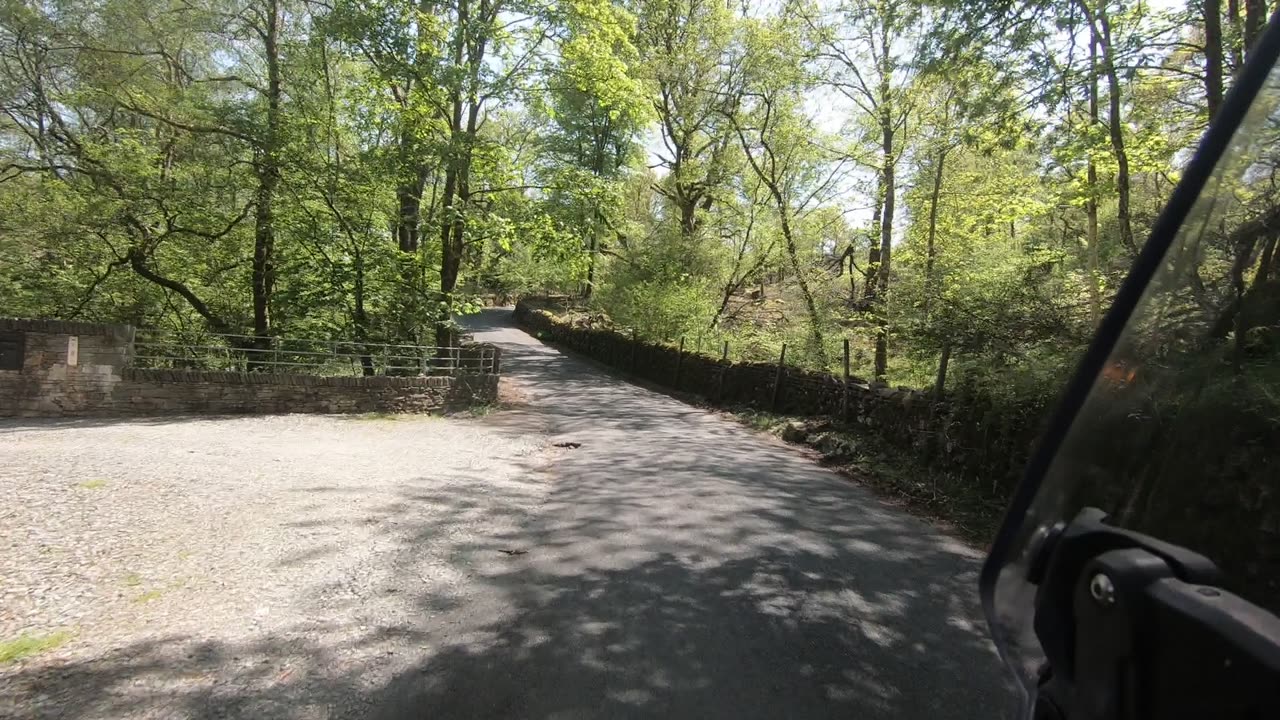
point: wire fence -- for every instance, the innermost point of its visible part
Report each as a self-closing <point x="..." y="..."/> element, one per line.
<point x="333" y="358"/>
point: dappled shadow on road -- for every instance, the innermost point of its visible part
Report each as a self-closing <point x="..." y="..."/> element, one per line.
<point x="680" y="567"/>
<point x="752" y="638"/>
<point x="765" y="637"/>
<point x="276" y="676"/>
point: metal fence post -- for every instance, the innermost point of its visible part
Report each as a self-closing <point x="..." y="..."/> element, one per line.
<point x="777" y="379"/>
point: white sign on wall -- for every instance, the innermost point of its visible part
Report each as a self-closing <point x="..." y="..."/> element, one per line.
<point x="73" y="351"/>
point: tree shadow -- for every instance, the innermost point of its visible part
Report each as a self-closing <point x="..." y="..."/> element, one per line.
<point x="767" y="636"/>
<point x="785" y="634"/>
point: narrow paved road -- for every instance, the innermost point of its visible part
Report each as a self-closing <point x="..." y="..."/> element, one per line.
<point x="685" y="567"/>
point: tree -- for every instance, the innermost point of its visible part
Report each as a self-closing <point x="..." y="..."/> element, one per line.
<point x="363" y="169"/>
<point x="1211" y="14"/>
<point x="683" y="46"/>
<point x="877" y="86"/>
<point x="1101" y="39"/>
<point x="596" y="110"/>
<point x="777" y="140"/>
<point x="155" y="116"/>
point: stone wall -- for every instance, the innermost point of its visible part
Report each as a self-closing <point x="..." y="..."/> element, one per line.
<point x="156" y="392"/>
<point x="81" y="369"/>
<point x="68" y="368"/>
<point x="961" y="433"/>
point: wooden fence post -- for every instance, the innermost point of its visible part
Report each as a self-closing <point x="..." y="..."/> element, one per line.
<point x="844" y="398"/>
<point x="635" y="345"/>
<point x="724" y="358"/>
<point x="679" y="363"/>
<point x="777" y="379"/>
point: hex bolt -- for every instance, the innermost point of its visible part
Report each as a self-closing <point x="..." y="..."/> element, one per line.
<point x="1102" y="590"/>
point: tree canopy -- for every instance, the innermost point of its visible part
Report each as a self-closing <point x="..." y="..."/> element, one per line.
<point x="949" y="186"/>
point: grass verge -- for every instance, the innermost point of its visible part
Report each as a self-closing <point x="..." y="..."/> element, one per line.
<point x="29" y="644"/>
<point x="950" y="500"/>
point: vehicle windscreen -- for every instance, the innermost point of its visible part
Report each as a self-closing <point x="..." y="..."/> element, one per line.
<point x="1180" y="434"/>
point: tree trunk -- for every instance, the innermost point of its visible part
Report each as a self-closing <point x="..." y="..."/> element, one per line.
<point x="138" y="261"/>
<point x="1233" y="22"/>
<point x="408" y="222"/>
<point x="886" y="220"/>
<point x="600" y="140"/>
<point x="1255" y="19"/>
<point x="940" y="383"/>
<point x="449" y="261"/>
<point x="771" y="181"/>
<point x="688" y="214"/>
<point x="1245" y="239"/>
<point x="268" y="172"/>
<point x="1243" y="254"/>
<point x="1116" y="129"/>
<point x="931" y="250"/>
<point x="1212" y="15"/>
<point x="1249" y="300"/>
<point x="870" y="286"/>
<point x="886" y="239"/>
<point x="815" y="322"/>
<point x="360" y="317"/>
<point x="1265" y="262"/>
<point x="457" y="175"/>
<point x="592" y="249"/>
<point x="1091" y="202"/>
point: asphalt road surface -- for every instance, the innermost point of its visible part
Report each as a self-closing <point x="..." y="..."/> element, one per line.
<point x="685" y="567"/>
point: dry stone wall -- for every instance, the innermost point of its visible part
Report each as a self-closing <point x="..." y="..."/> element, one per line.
<point x="960" y="433"/>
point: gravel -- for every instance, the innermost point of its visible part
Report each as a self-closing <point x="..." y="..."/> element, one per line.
<point x="250" y="567"/>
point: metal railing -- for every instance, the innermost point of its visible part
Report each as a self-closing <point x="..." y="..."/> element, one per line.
<point x="334" y="358"/>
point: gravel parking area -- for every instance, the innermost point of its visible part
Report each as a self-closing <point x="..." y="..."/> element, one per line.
<point x="250" y="567"/>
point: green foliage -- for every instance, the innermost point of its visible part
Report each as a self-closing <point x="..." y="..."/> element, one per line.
<point x="692" y="168"/>
<point x="666" y="308"/>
